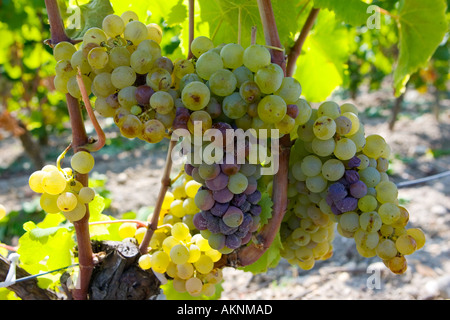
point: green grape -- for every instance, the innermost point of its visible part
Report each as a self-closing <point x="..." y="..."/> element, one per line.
<point x="76" y="214"/>
<point x="272" y="109"/>
<point x="191" y="188"/>
<point x="154" y="32"/>
<point x="333" y="169"/>
<point x="406" y="244"/>
<point x="98" y="58"/>
<point x="185" y="271"/>
<point x="208" y="63"/>
<point x="232" y="55"/>
<point x="189" y="206"/>
<point x="222" y="82"/>
<point x="233" y="106"/>
<point x="255" y="57"/>
<point x="131" y="126"/>
<point x="389" y="213"/>
<point x="82" y="162"/>
<point x="237" y="183"/>
<point x="151" y="48"/>
<point x="386" y="249"/>
<point x="250" y="92"/>
<point x="141" y="62"/>
<point x="311" y="166"/>
<point x="153" y="131"/>
<point x="343" y="125"/>
<point x="364" y="161"/>
<point x="94" y="35"/>
<point x="180" y="231"/>
<point x="374" y="146"/>
<point x="286" y="125"/>
<point x="48" y="203"/>
<point x="194" y="286"/>
<point x="159" y="79"/>
<point x="194" y="253"/>
<point x="323" y="148"/>
<point x="329" y="109"/>
<point x="60" y="84"/>
<point x="349" y="107"/>
<point x="290" y="90"/>
<point x="183" y="67"/>
<point x="304" y="112"/>
<point x="123" y="76"/>
<point x="354" y="120"/>
<point x="103" y="85"/>
<point x="160" y="261"/>
<point x="162" y="102"/>
<point x="200" y="45"/>
<point x="367" y="203"/>
<point x="349" y="221"/>
<point x="35" y="181"/>
<point x="127" y="230"/>
<point x="370" y="221"/>
<point x="135" y="31"/>
<point x="305" y="131"/>
<point x="145" y="262"/>
<point x="113" y="25"/>
<point x="201" y="117"/>
<point x="359" y="138"/>
<point x="418" y="235"/>
<point x="64" y="51"/>
<point x="64" y="69"/>
<point x="300" y="237"/>
<point x="242" y="74"/>
<point x="86" y="195"/>
<point x="74" y="89"/>
<point x="316" y="184"/>
<point x="119" y="56"/>
<point x="166" y="119"/>
<point x="345" y="149"/>
<point x="78" y="60"/>
<point x="66" y="201"/>
<point x="269" y="78"/>
<point x="370" y="176"/>
<point x="324" y="128"/>
<point x="204" y="264"/>
<point x="386" y="191"/>
<point x="195" y="95"/>
<point x="179" y="254"/>
<point x="54" y="182"/>
<point x="366" y="240"/>
<point x="127" y="97"/>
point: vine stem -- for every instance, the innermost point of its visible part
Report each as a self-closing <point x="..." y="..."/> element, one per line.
<point x="296" y="49"/>
<point x="79" y="139"/>
<point x="165" y="184"/>
<point x="191" y="26"/>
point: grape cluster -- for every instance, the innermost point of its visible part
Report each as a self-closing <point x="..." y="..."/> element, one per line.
<point x="177" y="249"/>
<point x="338" y="177"/>
<point x="60" y="191"/>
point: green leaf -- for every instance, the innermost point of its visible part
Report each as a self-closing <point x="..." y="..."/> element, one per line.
<point x="266" y="205"/>
<point x="269" y="259"/>
<point x="172" y="294"/>
<point x="91" y="15"/>
<point x="353" y="12"/>
<point x="177" y="14"/>
<point x="321" y="68"/>
<point x="422" y="26"/>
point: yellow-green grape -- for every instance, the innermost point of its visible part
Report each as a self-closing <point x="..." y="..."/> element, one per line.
<point x="397" y="265"/>
<point x="64" y="51"/>
<point x="209" y="289"/>
<point x="123" y="77"/>
<point x="49" y="168"/>
<point x="375" y="144"/>
<point x="160" y="261"/>
<point x="82" y="162"/>
<point x="201" y="45"/>
<point x="2" y="211"/>
<point x="194" y="286"/>
<point x="386" y="249"/>
<point x="78" y="60"/>
<point x="48" y="203"/>
<point x="167" y="201"/>
<point x="194" y="253"/>
<point x="176" y="208"/>
<point x="406" y="244"/>
<point x="154" y="32"/>
<point x="215" y="255"/>
<point x="76" y="214"/>
<point x="329" y="109"/>
<point x="136" y="32"/>
<point x="349" y="107"/>
<point x="272" y="109"/>
<point x="54" y="182"/>
<point x="389" y="213"/>
<point x="202" y="243"/>
<point x="204" y="264"/>
<point x="169" y="242"/>
<point x="74" y="89"/>
<point x="191" y="188"/>
<point x="179" y="254"/>
<point x="185" y="270"/>
<point x="195" y="95"/>
<point x="98" y="58"/>
<point x="386" y="191"/>
<point x="94" y="35"/>
<point x="139" y="234"/>
<point x="145" y="262"/>
<point x="255" y="57"/>
<point x="35" y="181"/>
<point x="86" y="194"/>
<point x="128" y="16"/>
<point x="370" y="221"/>
<point x="355" y="122"/>
<point x="345" y="149"/>
<point x="67" y="201"/>
<point x="179" y="285"/>
<point x="113" y="25"/>
<point x="232" y="55"/>
<point x="189" y="206"/>
<point x="127" y="230"/>
<point x="180" y="231"/>
<point x="418" y="235"/>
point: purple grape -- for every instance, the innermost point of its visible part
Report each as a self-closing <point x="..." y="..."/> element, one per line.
<point x="209" y="171"/>
<point x="336" y="192"/>
<point x="329" y="199"/>
<point x="254" y="197"/>
<point x="212" y="223"/>
<point x="196" y="176"/>
<point x="245" y="207"/>
<point x="247" y="222"/>
<point x="223" y="195"/>
<point x="292" y="111"/>
<point x="344" y="182"/>
<point x="354" y="162"/>
<point x="233" y="217"/>
<point x="199" y="221"/>
<point x="238" y="199"/>
<point x="218" y="183"/>
<point x="358" y="189"/>
<point x="143" y="94"/>
<point x="252" y="185"/>
<point x="204" y="199"/>
<point x="188" y="168"/>
<point x="232" y="241"/>
<point x="230" y="168"/>
<point x="347" y="204"/>
<point x="335" y="210"/>
<point x="351" y="176"/>
<point x="255" y="210"/>
<point x="255" y="224"/>
<point x="219" y="209"/>
<point x="246" y="239"/>
<point x="226" y="230"/>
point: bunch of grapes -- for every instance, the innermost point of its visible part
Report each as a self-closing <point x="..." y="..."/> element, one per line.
<point x="60" y="191"/>
<point x="338" y="176"/>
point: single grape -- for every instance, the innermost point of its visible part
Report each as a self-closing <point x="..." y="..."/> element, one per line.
<point x="208" y="63"/>
<point x="255" y="57"/>
<point x="127" y="230"/>
<point x="195" y="95"/>
<point x="66" y="201"/>
<point x="201" y="45"/>
<point x="269" y="78"/>
<point x="272" y="109"/>
<point x="153" y="131"/>
<point x="135" y="31"/>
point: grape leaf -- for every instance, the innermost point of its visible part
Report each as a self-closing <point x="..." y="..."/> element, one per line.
<point x="269" y="259"/>
<point x="422" y="26"/>
<point x="171" y="294"/>
<point x="321" y="67"/>
<point x="353" y="12"/>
